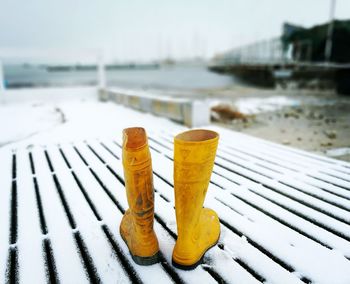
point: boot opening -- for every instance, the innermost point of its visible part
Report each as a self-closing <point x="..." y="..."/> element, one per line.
<point x="197" y="135"/>
<point x="134" y="137"/>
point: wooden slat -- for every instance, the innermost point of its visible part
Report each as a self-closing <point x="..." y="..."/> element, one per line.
<point x="66" y="258"/>
<point x="321" y="218"/>
<point x="282" y="162"/>
<point x="324" y="201"/>
<point x="82" y="201"/>
<point x="265" y="180"/>
<point x="5" y="209"/>
<point x="73" y="198"/>
<point x="110" y="216"/>
<point x="164" y="239"/>
<point x="330" y="181"/>
<point x="165" y="188"/>
<point x="229" y="137"/>
<point x="31" y="256"/>
<point x="209" y="200"/>
<point x="257" y="188"/>
<point x="315" y="175"/>
<point x="346" y="245"/>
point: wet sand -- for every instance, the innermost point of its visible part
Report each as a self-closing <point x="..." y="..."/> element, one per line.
<point x="320" y="122"/>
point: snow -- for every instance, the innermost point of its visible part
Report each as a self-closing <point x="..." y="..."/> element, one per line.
<point x="257" y="105"/>
<point x="38" y="119"/>
<point x="284" y="212"/>
<point x="295" y="257"/>
<point x="338" y="152"/>
<point x="68" y="264"/>
<point x="35" y="119"/>
<point x="147" y="94"/>
<point x="5" y="182"/>
<point x="29" y="235"/>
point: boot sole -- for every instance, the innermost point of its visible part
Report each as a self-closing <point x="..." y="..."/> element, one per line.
<point x="143" y="260"/>
<point x="193" y="266"/>
<point x="146" y="261"/>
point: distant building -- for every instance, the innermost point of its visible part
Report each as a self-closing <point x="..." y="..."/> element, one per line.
<point x="309" y="43"/>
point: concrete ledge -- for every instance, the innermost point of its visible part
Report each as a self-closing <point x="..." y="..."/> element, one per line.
<point x="192" y="113"/>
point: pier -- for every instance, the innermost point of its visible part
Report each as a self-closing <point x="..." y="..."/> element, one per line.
<point x="63" y="197"/>
<point x="295" y="58"/>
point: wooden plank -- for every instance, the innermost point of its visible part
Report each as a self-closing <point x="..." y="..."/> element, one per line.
<point x="6" y="179"/>
<point x="229" y="137"/>
<point x="103" y="205"/>
<point x="325" y="220"/>
<point x="161" y="207"/>
<point x="342" y="214"/>
<point x="111" y="216"/>
<point x="166" y="212"/>
<point x="294" y="156"/>
<point x="295" y="185"/>
<point x="30" y="245"/>
<point x="82" y="200"/>
<point x="166" y="164"/>
<point x="228" y="184"/>
<point x="316" y="176"/>
<point x="67" y="261"/>
<point x="288" y="246"/>
<point x="75" y="198"/>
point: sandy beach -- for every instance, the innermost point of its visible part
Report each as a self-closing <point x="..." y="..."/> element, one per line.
<point x="316" y="121"/>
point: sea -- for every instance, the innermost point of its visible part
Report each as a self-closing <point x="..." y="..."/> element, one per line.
<point x="172" y="77"/>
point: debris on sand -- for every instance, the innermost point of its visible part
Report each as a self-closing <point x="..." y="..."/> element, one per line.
<point x="331" y="134"/>
<point x="326" y="144"/>
<point x="313" y="115"/>
<point x="62" y="115"/>
<point x="225" y="112"/>
<point x="291" y="114"/>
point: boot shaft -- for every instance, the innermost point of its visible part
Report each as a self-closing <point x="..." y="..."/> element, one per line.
<point x="194" y="154"/>
<point x="138" y="178"/>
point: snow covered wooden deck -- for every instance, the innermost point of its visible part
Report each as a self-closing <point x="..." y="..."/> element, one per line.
<point x="285" y="214"/>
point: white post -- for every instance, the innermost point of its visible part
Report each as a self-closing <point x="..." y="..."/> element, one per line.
<point x="2" y="79"/>
<point x="101" y="71"/>
<point x="101" y="78"/>
<point x="328" y="48"/>
<point x="196" y="113"/>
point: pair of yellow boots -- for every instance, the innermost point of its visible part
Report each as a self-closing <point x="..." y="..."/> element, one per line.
<point x="198" y="228"/>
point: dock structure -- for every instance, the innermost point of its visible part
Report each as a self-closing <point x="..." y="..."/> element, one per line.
<point x="284" y="213"/>
<point x="297" y="57"/>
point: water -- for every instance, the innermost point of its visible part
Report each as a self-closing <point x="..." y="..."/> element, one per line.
<point x="184" y="78"/>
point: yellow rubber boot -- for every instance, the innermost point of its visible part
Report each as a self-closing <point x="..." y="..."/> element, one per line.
<point x="198" y="228"/>
<point x="136" y="227"/>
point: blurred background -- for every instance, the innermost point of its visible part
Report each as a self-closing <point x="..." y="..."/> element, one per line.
<point x="279" y="70"/>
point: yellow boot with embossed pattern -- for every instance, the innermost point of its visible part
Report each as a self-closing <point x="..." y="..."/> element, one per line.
<point x="136" y="227"/>
<point x="198" y="228"/>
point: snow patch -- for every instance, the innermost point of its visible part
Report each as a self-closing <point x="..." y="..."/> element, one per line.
<point x="336" y="152"/>
<point x="258" y="105"/>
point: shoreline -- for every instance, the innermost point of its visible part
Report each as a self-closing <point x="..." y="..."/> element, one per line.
<point x="314" y="121"/>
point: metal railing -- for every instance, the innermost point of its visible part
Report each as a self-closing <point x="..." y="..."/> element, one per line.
<point x="263" y="52"/>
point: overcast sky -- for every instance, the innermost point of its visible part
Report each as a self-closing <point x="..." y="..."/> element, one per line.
<point x="149" y="29"/>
